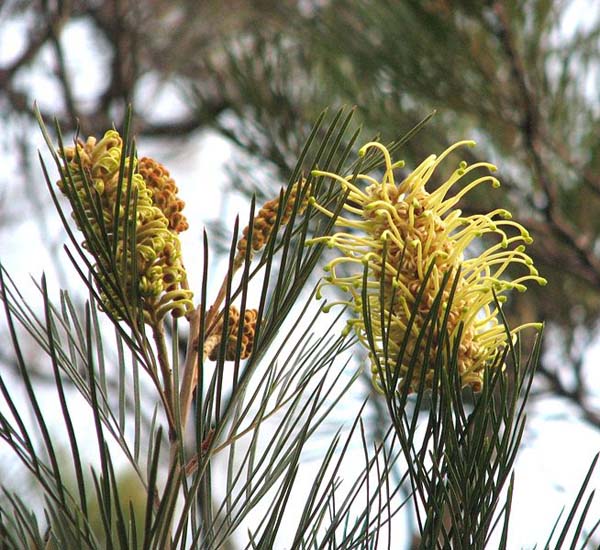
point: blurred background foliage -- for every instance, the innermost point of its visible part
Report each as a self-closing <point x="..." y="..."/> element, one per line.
<point x="520" y="77"/>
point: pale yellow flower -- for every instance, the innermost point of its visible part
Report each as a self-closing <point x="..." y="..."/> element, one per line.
<point x="398" y="232"/>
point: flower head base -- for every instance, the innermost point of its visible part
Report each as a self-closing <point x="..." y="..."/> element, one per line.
<point x="406" y="239"/>
<point x="96" y="196"/>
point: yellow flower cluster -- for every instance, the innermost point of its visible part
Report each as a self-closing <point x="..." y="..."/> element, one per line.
<point x="398" y="232"/>
<point x="93" y="169"/>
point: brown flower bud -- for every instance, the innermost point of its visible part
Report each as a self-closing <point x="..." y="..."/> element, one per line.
<point x="247" y="337"/>
<point x="164" y="192"/>
<point x="264" y="221"/>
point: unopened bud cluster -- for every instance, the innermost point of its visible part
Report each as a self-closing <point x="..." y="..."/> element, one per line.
<point x="264" y="221"/>
<point x="164" y="192"/>
<point x="232" y="333"/>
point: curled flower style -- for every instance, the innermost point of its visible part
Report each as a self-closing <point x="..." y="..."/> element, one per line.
<point x="96" y="197"/>
<point x="399" y="233"/>
<point x="264" y="221"/>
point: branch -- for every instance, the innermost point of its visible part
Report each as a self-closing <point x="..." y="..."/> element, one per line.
<point x="532" y="142"/>
<point x="54" y="29"/>
<point x="576" y="396"/>
<point x="32" y="49"/>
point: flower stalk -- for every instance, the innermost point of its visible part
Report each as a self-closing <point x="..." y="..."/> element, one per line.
<point x="257" y="235"/>
<point x="144" y="274"/>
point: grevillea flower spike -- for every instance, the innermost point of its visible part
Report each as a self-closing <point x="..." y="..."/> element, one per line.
<point x="400" y="232"/>
<point x="161" y="282"/>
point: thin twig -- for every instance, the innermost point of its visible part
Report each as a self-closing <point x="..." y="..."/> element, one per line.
<point x="574" y="396"/>
<point x="189" y="379"/>
<point x="190" y="368"/>
<point x="54" y="33"/>
<point x="158" y="334"/>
